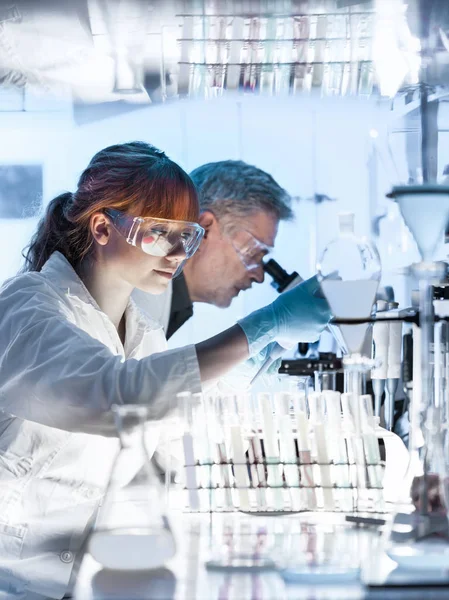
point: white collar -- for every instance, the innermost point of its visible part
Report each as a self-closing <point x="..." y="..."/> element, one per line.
<point x="63" y="275"/>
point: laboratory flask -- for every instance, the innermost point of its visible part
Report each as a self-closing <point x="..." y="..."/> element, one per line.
<point x="132" y="531"/>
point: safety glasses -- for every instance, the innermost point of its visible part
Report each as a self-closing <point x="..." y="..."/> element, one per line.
<point x="250" y="250"/>
<point x="157" y="237"/>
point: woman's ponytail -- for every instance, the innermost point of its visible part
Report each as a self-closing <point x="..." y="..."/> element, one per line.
<point x="52" y="234"/>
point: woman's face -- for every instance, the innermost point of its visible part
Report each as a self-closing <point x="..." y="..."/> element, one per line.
<point x="131" y="264"/>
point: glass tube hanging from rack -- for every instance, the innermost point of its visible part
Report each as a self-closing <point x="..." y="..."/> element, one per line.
<point x="281" y="52"/>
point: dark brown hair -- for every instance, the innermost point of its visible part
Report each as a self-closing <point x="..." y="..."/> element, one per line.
<point x="135" y="178"/>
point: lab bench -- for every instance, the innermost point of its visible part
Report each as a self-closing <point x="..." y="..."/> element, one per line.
<point x="324" y="557"/>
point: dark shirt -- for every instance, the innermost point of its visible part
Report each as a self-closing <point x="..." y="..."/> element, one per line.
<point x="181" y="305"/>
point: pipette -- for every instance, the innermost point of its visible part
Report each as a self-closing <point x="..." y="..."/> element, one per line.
<point x="394" y="363"/>
<point x="275" y="353"/>
<point x="380" y="354"/>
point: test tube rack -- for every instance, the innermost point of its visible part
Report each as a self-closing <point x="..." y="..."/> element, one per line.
<point x="298" y="465"/>
<point x="276" y="52"/>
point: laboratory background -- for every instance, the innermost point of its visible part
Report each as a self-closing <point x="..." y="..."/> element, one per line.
<point x="325" y="473"/>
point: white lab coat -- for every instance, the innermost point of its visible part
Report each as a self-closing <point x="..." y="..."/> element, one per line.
<point x="62" y="366"/>
<point x="156" y="306"/>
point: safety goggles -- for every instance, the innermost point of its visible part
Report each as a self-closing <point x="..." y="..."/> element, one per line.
<point x="157" y="237"/>
<point x="250" y="250"/>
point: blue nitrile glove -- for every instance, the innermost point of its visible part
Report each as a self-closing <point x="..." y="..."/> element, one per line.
<point x="299" y="315"/>
<point x="240" y="376"/>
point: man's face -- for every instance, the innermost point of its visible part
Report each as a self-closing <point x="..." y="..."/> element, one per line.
<point x="217" y="273"/>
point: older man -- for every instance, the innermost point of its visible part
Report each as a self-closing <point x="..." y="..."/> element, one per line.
<point x="241" y="207"/>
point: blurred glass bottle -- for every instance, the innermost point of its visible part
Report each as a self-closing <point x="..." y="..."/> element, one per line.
<point x="132" y="531"/>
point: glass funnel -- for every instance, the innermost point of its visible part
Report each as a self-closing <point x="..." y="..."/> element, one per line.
<point x="350" y="272"/>
<point x="425" y="210"/>
<point x="132" y="531"/>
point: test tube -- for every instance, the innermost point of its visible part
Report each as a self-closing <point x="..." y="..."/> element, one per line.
<point x="301" y="30"/>
<point x="338" y="55"/>
<point x="252" y="71"/>
<point x="272" y="456"/>
<point x="258" y="480"/>
<point x="267" y="68"/>
<point x="255" y="453"/>
<point x="352" y="26"/>
<point x="283" y="403"/>
<point x="240" y="467"/>
<point x="202" y="443"/>
<point x="222" y="456"/>
<point x="304" y="451"/>
<point x="184" y="73"/>
<point x="190" y="460"/>
<point x="352" y="420"/>
<point x="238" y="420"/>
<point x="371" y="448"/>
<point x="338" y="450"/>
<point x="325" y="380"/>
<point x="284" y="72"/>
<point x="235" y="54"/>
<point x="366" y="78"/>
<point x="317" y="419"/>
<point x="320" y="47"/>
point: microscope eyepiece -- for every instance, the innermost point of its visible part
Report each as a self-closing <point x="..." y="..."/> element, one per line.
<point x="281" y="279"/>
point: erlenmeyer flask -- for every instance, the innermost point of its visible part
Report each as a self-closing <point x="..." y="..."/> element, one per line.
<point x="132" y="531"/>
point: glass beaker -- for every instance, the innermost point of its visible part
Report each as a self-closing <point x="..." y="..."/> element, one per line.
<point x="325" y="381"/>
<point x="132" y="531"/>
<point x="296" y="384"/>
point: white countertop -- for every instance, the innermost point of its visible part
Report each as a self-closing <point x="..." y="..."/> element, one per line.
<point x="321" y="548"/>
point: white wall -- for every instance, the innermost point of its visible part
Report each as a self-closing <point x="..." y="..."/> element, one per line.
<point x="309" y="145"/>
<point x="32" y="138"/>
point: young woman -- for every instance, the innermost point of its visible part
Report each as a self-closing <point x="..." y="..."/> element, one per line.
<point x="73" y="344"/>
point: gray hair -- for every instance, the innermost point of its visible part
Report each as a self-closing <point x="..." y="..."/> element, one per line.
<point x="232" y="188"/>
